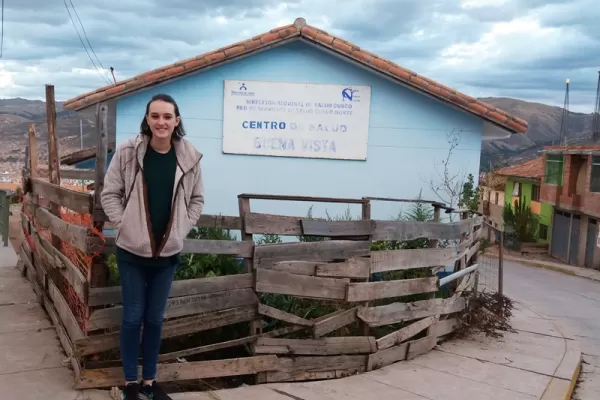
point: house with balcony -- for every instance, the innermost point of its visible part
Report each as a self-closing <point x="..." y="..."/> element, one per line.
<point x="571" y="184"/>
<point x="523" y="183"/>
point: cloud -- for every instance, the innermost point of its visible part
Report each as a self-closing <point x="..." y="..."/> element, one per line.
<point x="510" y="48"/>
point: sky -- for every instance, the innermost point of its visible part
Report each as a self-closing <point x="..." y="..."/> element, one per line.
<point x="523" y="49"/>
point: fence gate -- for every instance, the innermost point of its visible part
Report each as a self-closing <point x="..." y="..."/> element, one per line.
<point x="590" y="243"/>
<point x="560" y="235"/>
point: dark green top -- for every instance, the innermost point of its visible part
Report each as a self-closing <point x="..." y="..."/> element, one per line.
<point x="159" y="177"/>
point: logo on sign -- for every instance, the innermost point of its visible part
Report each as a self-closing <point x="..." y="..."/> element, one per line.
<point x="242" y="91"/>
<point x="350" y="94"/>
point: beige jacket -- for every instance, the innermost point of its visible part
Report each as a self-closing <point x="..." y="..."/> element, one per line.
<point x="124" y="198"/>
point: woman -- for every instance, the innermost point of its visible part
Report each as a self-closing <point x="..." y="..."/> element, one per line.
<point x="153" y="193"/>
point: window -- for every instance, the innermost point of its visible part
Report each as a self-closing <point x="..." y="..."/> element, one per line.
<point x="554" y="169"/>
<point x="517" y="190"/>
<point x="543" y="232"/>
<point x="496" y="198"/>
<point x="535" y="193"/>
<point x="595" y="175"/>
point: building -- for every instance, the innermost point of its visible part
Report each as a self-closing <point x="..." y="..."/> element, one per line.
<point x="523" y="183"/>
<point x="298" y="111"/>
<point x="571" y="184"/>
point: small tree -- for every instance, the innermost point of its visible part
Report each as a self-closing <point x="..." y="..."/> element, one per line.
<point x="521" y="220"/>
<point x="470" y="195"/>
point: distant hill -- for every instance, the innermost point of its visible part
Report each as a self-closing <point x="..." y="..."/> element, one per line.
<point x="544" y="129"/>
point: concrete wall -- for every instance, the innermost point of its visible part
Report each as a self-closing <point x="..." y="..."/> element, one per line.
<point x="408" y="137"/>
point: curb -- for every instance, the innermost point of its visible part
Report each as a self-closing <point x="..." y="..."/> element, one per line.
<point x="564" y="379"/>
<point x="539" y="264"/>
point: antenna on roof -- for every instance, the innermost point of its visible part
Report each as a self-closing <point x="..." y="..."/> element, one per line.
<point x="565" y="117"/>
<point x="596" y="115"/>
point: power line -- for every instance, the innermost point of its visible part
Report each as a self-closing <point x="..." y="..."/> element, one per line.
<point x="86" y="36"/>
<point x="83" y="44"/>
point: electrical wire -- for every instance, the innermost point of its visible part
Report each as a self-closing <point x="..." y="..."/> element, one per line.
<point x="84" y="46"/>
<point x="86" y="36"/>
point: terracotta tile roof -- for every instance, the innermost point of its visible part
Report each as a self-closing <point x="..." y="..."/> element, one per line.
<point x="532" y="169"/>
<point x="299" y="29"/>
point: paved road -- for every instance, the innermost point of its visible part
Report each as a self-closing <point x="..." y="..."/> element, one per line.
<point x="573" y="300"/>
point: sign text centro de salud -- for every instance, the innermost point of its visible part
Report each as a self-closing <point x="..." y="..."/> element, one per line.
<point x="296" y="120"/>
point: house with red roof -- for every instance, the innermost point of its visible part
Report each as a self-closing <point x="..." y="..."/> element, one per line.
<point x="523" y="183"/>
<point x="297" y="110"/>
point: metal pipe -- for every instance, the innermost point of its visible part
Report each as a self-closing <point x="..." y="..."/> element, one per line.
<point x="456" y="275"/>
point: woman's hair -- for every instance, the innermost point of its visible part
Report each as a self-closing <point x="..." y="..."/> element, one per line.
<point x="178" y="132"/>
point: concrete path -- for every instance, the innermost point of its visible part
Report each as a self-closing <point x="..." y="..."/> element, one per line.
<point x="574" y="301"/>
<point x="537" y="362"/>
<point x="548" y="263"/>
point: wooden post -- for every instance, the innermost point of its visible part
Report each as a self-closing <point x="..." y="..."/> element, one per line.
<point x="98" y="274"/>
<point x="366" y="215"/>
<point x="244" y="209"/>
<point x="53" y="168"/>
<point x="33" y="155"/>
<point x="501" y="264"/>
<point x="53" y="165"/>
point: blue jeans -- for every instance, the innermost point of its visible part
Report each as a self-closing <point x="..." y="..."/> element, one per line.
<point x="145" y="292"/>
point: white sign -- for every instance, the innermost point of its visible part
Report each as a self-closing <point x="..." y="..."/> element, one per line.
<point x="296" y="120"/>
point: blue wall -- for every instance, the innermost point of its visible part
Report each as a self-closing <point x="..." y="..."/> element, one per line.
<point x="407" y="137"/>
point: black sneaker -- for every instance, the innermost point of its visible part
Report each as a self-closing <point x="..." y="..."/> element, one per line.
<point x="131" y="391"/>
<point x="154" y="392"/>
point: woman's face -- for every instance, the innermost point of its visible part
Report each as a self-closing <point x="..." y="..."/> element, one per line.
<point x="162" y="119"/>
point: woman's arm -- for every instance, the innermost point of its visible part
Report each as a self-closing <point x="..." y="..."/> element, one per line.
<point x="197" y="199"/>
<point x="114" y="190"/>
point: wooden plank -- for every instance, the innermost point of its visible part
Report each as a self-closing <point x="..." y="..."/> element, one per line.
<point x="273" y="224"/>
<point x="366" y="291"/>
<point x="421" y="346"/>
<point x="224" y="345"/>
<point x="61" y="262"/>
<point x="334" y="321"/>
<point x="398" y="312"/>
<point x="188" y="287"/>
<point x="171" y="328"/>
<point x="405" y="333"/>
<point x="205" y="221"/>
<point x="200" y="246"/>
<point x="386" y="357"/>
<point x="408" y="230"/>
<point x="296" y="267"/>
<point x="397" y="260"/>
<point x="354" y="268"/>
<point x="313" y="368"/>
<point x="66" y="315"/>
<point x="272" y="312"/>
<point x="268" y="254"/>
<point x="75" y="235"/>
<point x="311" y="227"/>
<point x="107" y="377"/>
<point x="311" y="199"/>
<point x="219" y="221"/>
<point x="444" y="327"/>
<point x="316" y="347"/>
<point x="269" y="281"/>
<point x="77" y="201"/>
<point x="179" y="307"/>
<point x="78" y="174"/>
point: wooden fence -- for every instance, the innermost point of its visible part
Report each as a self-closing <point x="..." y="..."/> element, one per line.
<point x="326" y="307"/>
